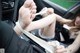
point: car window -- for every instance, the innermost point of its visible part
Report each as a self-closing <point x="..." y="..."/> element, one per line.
<point x="65" y="3"/>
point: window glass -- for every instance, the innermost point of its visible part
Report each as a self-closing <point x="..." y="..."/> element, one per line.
<point x="65" y="3"/>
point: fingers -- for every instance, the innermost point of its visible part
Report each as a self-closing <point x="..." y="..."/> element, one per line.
<point x="60" y="49"/>
<point x="50" y="10"/>
<point x="52" y="43"/>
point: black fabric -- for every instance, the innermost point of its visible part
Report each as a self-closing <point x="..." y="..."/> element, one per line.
<point x="5" y="35"/>
<point x="21" y="2"/>
<point x="65" y="34"/>
<point x="11" y="42"/>
<point x="39" y="4"/>
<point x="19" y="46"/>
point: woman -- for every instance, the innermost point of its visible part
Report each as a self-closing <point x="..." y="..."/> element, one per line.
<point x="48" y="30"/>
<point x="74" y="31"/>
<point x="8" y="37"/>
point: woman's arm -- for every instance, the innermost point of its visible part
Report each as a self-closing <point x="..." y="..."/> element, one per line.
<point x="75" y="45"/>
<point x="62" y="20"/>
<point x="47" y="21"/>
<point x="41" y="23"/>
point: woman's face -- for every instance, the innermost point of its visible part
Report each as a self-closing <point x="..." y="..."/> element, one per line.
<point x="77" y="21"/>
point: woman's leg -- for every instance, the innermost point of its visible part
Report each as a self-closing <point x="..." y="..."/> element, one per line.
<point x="49" y="31"/>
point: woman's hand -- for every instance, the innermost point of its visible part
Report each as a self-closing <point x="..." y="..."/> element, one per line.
<point x="58" y="48"/>
<point x="49" y="11"/>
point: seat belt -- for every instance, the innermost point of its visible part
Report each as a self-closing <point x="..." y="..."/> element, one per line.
<point x="39" y="41"/>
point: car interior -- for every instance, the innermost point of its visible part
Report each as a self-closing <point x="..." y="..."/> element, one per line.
<point x="62" y="34"/>
<point x="68" y="11"/>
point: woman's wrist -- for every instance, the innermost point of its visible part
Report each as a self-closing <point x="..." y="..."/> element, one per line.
<point x="19" y="28"/>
